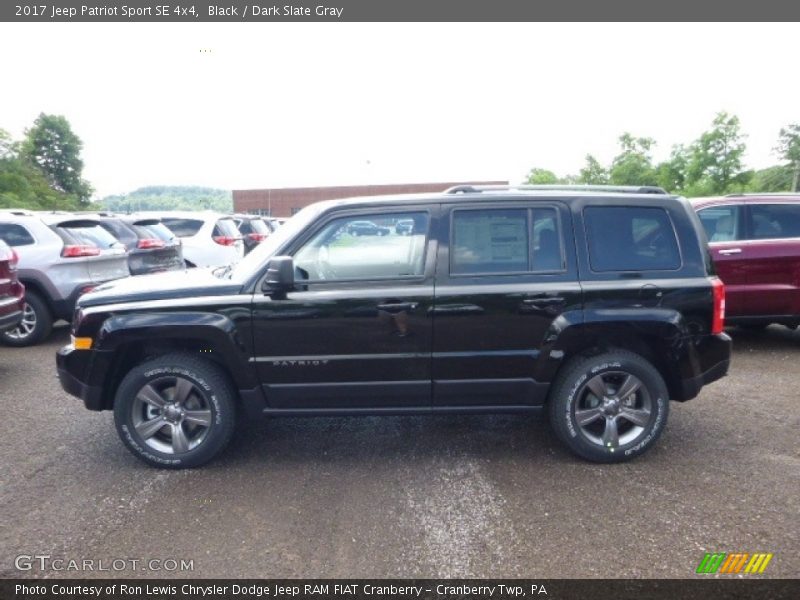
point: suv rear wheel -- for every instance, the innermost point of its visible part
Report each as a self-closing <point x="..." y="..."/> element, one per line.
<point x="36" y="324"/>
<point x="609" y="408"/>
<point x="176" y="411"/>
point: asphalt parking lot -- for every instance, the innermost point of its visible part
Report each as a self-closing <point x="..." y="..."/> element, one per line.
<point x="467" y="496"/>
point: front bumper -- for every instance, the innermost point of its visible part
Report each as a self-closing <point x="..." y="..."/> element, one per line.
<point x="71" y="365"/>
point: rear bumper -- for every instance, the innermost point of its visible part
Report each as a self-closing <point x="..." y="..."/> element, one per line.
<point x="11" y="307"/>
<point x="9" y="319"/>
<point x="713" y="359"/>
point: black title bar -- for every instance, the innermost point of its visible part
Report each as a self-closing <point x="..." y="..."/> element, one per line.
<point x="398" y="10"/>
<point x="699" y="588"/>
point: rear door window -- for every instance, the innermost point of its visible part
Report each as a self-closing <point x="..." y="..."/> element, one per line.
<point x="775" y="221"/>
<point x="183" y="227"/>
<point x="722" y="223"/>
<point x="505" y="240"/>
<point x="15" y="235"/>
<point x="630" y="239"/>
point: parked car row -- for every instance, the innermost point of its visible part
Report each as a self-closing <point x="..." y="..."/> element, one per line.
<point x="60" y="255"/>
<point x="755" y="244"/>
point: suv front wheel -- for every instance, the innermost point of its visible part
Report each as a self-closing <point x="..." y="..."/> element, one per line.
<point x="175" y="411"/>
<point x="609" y="408"/>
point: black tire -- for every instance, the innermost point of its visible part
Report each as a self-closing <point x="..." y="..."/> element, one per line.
<point x="648" y="404"/>
<point x="43" y="323"/>
<point x="210" y="394"/>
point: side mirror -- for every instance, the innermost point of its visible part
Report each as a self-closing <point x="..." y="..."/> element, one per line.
<point x="280" y="275"/>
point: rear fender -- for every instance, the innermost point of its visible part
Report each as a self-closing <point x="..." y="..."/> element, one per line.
<point x="657" y="334"/>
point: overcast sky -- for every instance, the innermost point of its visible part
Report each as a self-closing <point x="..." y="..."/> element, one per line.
<point x="298" y="104"/>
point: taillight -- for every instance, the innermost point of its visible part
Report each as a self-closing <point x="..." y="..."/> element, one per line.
<point x="148" y="243"/>
<point x="225" y="240"/>
<point x="718" y="320"/>
<point x="12" y="262"/>
<point x="75" y="251"/>
<point x="257" y="237"/>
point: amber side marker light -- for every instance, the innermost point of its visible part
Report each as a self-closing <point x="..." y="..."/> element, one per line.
<point x="82" y="343"/>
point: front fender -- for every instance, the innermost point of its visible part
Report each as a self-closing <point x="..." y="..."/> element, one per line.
<point x="209" y="333"/>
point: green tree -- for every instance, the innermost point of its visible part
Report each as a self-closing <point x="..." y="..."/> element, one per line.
<point x="772" y="179"/>
<point x="541" y="177"/>
<point x="789" y="150"/>
<point x="715" y="165"/>
<point x="593" y="173"/>
<point x="54" y="148"/>
<point x="8" y="147"/>
<point x="634" y="164"/>
<point x="170" y="197"/>
<point x="671" y="174"/>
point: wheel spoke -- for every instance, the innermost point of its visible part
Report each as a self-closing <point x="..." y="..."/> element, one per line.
<point x="148" y="429"/>
<point x="180" y="443"/>
<point x="636" y="416"/>
<point x="630" y="386"/>
<point x="198" y="417"/>
<point x="597" y="386"/>
<point x="183" y="387"/>
<point x="149" y="394"/>
<point x="590" y="415"/>
<point x="611" y="435"/>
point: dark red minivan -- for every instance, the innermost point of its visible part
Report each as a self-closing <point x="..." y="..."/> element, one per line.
<point x="755" y="245"/>
<point x="12" y="292"/>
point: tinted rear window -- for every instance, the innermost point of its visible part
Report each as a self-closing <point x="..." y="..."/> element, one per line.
<point x="15" y="235"/>
<point x="183" y="227"/>
<point x="156" y="231"/>
<point x="92" y="235"/>
<point x="630" y="239"/>
<point x="225" y="227"/>
<point x="259" y="226"/>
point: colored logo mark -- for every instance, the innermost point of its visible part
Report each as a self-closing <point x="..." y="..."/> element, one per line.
<point x="734" y="562"/>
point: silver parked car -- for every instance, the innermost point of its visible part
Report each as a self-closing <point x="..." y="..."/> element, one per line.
<point x="61" y="256"/>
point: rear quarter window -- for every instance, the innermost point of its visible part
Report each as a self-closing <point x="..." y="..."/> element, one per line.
<point x="622" y="238"/>
<point x="15" y="235"/>
<point x="92" y="235"/>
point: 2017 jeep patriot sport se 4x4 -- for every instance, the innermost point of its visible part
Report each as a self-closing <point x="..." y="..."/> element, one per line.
<point x="599" y="306"/>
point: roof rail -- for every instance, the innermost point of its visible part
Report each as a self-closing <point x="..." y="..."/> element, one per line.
<point x="620" y="189"/>
<point x="763" y="194"/>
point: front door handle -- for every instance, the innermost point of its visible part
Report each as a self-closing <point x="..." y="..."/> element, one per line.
<point x="729" y="251"/>
<point x="396" y="307"/>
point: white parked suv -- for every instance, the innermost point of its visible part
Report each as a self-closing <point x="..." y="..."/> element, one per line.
<point x="209" y="239"/>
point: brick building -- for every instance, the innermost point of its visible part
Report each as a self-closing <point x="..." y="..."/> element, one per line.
<point x="284" y="202"/>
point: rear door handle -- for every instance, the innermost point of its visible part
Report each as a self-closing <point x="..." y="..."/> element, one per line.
<point x="396" y="307"/>
<point x="543" y="302"/>
<point x="728" y="251"/>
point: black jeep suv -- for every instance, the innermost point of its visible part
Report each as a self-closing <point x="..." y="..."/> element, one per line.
<point x="598" y="306"/>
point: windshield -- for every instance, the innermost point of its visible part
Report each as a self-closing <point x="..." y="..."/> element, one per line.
<point x="257" y="259"/>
